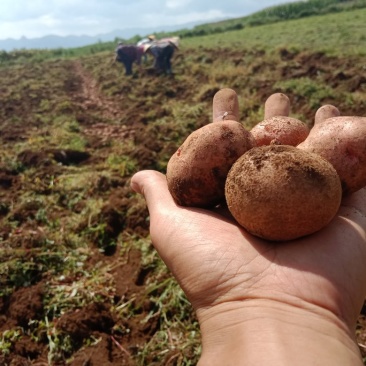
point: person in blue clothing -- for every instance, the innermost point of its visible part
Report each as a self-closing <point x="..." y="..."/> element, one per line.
<point x="162" y="51"/>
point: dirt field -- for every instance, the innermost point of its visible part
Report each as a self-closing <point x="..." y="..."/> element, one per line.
<point x="72" y="132"/>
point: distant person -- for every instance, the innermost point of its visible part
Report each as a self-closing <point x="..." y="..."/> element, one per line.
<point x="162" y="51"/>
<point x="146" y="41"/>
<point x="151" y="38"/>
<point x="128" y="54"/>
<point x="174" y="40"/>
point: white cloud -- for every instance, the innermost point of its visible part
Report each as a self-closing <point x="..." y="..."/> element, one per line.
<point x="37" y="18"/>
<point x="185" y="18"/>
<point x="30" y="28"/>
<point x="173" y="4"/>
<point x="48" y="24"/>
<point x="48" y="20"/>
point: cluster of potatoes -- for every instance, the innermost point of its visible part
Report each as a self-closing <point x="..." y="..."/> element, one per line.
<point x="280" y="180"/>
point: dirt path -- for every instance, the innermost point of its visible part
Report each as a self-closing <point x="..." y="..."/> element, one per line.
<point x="92" y="100"/>
<point x="90" y="94"/>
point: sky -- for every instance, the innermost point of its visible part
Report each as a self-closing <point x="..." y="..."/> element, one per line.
<point x="38" y="18"/>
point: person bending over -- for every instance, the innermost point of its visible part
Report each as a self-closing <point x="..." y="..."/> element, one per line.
<point x="128" y="54"/>
<point x="162" y="51"/>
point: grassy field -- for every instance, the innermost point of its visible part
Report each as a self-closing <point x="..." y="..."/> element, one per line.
<point x="80" y="281"/>
<point x="340" y="34"/>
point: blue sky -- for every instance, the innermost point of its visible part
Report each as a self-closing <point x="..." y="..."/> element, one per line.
<point x="37" y="18"/>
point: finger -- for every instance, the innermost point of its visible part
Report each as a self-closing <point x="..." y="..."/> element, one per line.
<point x="325" y="112"/>
<point x="164" y="214"/>
<point x="153" y="186"/>
<point x="356" y="201"/>
<point x="225" y="106"/>
<point x="277" y="104"/>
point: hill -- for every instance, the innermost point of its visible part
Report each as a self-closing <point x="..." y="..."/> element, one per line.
<point x="279" y="13"/>
<point x="80" y="282"/>
<point x="54" y="42"/>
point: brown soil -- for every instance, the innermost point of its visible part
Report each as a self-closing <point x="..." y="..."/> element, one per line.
<point x="95" y="320"/>
<point x="119" y="337"/>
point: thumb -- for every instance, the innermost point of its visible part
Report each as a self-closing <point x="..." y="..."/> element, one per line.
<point x="153" y="186"/>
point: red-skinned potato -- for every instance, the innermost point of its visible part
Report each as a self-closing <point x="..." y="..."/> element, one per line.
<point x="280" y="193"/>
<point x="342" y="141"/>
<point x="196" y="173"/>
<point x="277" y="127"/>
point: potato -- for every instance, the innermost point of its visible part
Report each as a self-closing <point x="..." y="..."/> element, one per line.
<point x="277" y="127"/>
<point x="196" y="173"/>
<point x="280" y="130"/>
<point x="281" y="193"/>
<point x="342" y="141"/>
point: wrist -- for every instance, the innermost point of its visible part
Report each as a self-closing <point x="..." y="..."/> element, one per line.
<point x="260" y="332"/>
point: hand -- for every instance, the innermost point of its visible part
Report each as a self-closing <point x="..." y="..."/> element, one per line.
<point x="283" y="303"/>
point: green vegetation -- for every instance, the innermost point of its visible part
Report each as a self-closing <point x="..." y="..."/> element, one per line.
<point x="301" y="9"/>
<point x="74" y="238"/>
<point x="323" y="33"/>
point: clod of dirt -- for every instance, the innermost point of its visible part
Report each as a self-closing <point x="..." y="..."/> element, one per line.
<point x="120" y="213"/>
<point x="6" y="180"/>
<point x="80" y="325"/>
<point x="26" y="304"/>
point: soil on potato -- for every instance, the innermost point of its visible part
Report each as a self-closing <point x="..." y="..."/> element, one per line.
<point x="135" y="103"/>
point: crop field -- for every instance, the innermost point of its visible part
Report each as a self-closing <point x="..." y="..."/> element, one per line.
<point x="80" y="283"/>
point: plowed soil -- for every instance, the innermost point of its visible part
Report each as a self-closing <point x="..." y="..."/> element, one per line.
<point x="111" y="109"/>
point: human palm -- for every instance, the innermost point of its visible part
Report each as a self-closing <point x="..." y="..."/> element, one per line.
<point x="216" y="261"/>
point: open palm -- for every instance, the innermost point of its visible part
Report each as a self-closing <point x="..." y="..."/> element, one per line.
<point x="216" y="261"/>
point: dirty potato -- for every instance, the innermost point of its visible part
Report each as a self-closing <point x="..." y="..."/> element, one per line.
<point x="281" y="193"/>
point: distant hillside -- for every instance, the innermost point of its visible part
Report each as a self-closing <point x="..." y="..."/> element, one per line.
<point x="295" y="10"/>
<point x="54" y="42"/>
